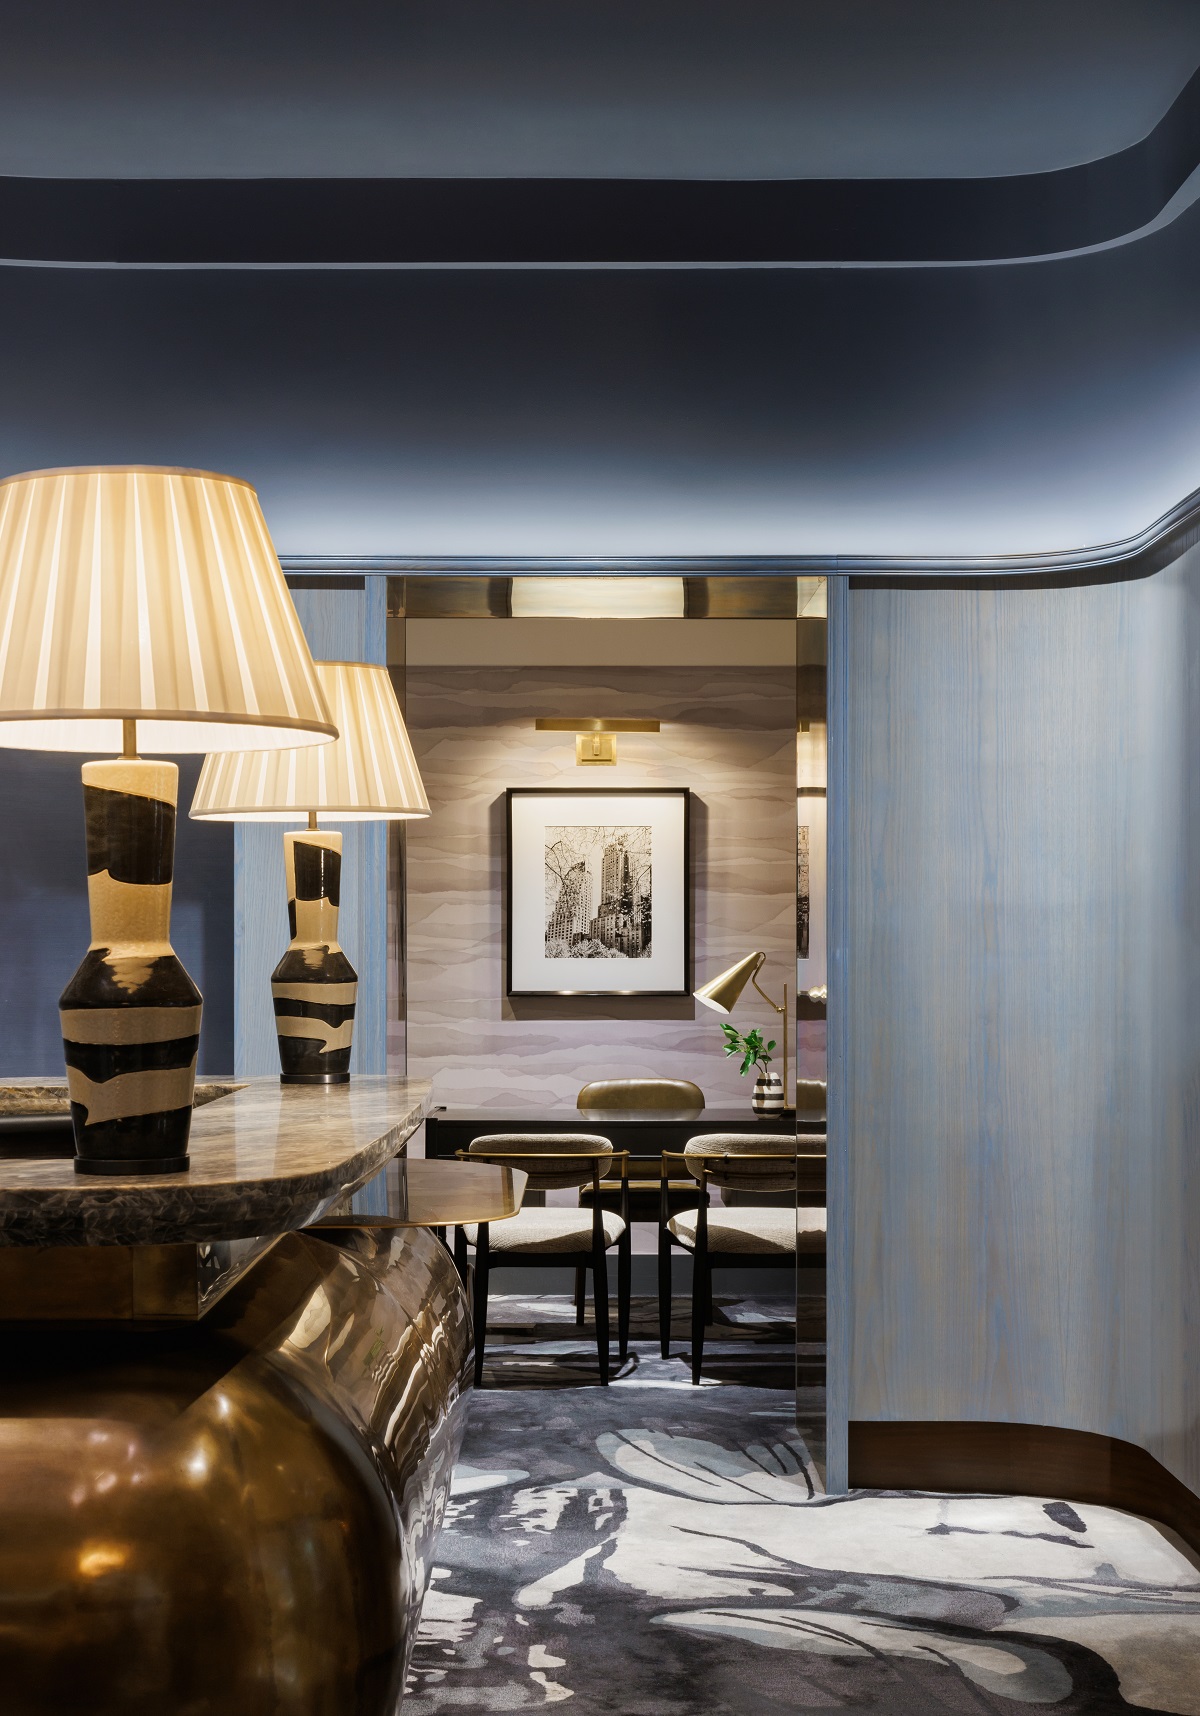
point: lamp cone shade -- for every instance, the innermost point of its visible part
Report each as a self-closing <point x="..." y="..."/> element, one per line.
<point x="148" y="594"/>
<point x="723" y="992"/>
<point x="369" y="774"/>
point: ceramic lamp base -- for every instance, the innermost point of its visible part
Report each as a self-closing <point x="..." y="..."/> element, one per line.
<point x="131" y="1014"/>
<point x="314" y="986"/>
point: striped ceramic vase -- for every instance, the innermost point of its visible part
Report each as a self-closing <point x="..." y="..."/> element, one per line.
<point x="314" y="985"/>
<point x="131" y="1014"/>
<point x="768" y="1093"/>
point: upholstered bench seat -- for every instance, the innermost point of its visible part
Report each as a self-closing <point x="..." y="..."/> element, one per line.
<point x="761" y="1231"/>
<point x="548" y="1230"/>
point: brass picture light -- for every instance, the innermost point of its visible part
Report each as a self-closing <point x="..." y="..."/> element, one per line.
<point x="595" y="735"/>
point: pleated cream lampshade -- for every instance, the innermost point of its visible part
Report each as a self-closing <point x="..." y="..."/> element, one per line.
<point x="369" y="774"/>
<point x="153" y="595"/>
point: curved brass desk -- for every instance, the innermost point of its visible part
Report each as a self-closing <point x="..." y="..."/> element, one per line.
<point x="227" y="1501"/>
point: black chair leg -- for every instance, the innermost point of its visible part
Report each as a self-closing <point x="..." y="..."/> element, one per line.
<point x="580" y="1294"/>
<point x="460" y="1254"/>
<point x="700" y="1290"/>
<point x="480" y="1299"/>
<point x="664" y="1295"/>
<point x="624" y="1286"/>
<point x="600" y="1300"/>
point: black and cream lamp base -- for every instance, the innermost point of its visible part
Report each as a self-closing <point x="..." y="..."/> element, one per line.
<point x="314" y="987"/>
<point x="131" y="1014"/>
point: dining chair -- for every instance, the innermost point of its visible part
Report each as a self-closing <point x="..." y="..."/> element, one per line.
<point x="663" y="1095"/>
<point x="740" y="1233"/>
<point x="679" y="1094"/>
<point x="554" y="1238"/>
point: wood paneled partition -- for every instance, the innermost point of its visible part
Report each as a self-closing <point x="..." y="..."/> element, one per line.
<point x="1014" y="1057"/>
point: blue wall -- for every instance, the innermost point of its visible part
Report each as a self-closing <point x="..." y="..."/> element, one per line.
<point x="1014" y="1204"/>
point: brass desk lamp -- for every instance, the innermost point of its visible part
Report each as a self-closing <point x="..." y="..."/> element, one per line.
<point x="722" y="993"/>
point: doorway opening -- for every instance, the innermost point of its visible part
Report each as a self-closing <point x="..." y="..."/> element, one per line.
<point x="713" y="686"/>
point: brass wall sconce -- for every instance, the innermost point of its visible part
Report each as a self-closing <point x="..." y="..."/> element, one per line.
<point x="595" y="736"/>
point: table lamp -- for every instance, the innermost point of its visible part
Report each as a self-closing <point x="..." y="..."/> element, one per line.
<point x="721" y="994"/>
<point x="368" y="775"/>
<point x="141" y="605"/>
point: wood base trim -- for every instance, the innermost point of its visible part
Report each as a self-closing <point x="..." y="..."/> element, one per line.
<point x="1021" y="1459"/>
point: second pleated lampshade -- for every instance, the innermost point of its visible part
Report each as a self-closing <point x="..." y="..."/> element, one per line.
<point x="369" y="774"/>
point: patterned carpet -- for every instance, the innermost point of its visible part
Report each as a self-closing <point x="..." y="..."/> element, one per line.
<point x="653" y="1549"/>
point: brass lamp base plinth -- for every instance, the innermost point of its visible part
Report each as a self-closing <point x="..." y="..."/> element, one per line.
<point x="116" y="1166"/>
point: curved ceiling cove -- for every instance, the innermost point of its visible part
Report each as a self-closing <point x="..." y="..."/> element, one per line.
<point x="548" y="221"/>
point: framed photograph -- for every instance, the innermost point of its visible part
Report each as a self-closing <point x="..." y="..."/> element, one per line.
<point x="599" y="901"/>
<point x="810" y="889"/>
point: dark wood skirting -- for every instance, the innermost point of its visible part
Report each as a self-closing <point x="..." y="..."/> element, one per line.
<point x="1022" y="1459"/>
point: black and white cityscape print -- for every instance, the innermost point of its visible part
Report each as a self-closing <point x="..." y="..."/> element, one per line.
<point x="803" y="900"/>
<point x="598" y="893"/>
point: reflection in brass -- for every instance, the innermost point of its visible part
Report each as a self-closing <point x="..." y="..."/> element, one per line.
<point x="488" y="594"/>
<point x="107" y="1283"/>
<point x="235" y="1516"/>
<point x="424" y="1193"/>
<point x="743" y="598"/>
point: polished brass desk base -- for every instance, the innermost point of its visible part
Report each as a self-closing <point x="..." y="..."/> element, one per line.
<point x="233" y="1515"/>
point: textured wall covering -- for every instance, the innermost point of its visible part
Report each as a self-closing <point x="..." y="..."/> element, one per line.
<point x="1019" y="1238"/>
<point x="728" y="734"/>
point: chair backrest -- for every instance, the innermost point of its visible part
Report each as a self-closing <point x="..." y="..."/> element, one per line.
<point x="551" y="1159"/>
<point x="811" y="1094"/>
<point x="660" y="1093"/>
<point x="719" y="1152"/>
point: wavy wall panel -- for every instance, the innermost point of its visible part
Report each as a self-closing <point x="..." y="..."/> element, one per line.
<point x="728" y="733"/>
<point x="1019" y="1219"/>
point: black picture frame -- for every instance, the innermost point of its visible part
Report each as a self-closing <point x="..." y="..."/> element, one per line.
<point x="683" y="794"/>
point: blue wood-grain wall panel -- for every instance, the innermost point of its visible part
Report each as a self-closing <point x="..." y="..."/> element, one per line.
<point x="1015" y="1190"/>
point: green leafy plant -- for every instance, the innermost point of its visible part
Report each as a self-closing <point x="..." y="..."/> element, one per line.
<point x="753" y="1051"/>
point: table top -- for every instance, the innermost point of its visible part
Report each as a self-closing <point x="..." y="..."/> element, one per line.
<point x="423" y="1193"/>
<point x="733" y="1118"/>
<point x="265" y="1158"/>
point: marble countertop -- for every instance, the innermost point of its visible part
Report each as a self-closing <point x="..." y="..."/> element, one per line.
<point x="265" y="1158"/>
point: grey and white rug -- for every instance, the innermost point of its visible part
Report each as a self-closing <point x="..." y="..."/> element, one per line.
<point x="657" y="1550"/>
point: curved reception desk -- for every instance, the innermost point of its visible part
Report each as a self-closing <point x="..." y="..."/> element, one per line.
<point x="225" y="1443"/>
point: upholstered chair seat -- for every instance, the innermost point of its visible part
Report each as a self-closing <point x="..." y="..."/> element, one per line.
<point x="554" y="1161"/>
<point x="549" y="1230"/>
<point x="759" y="1231"/>
<point x="744" y="1166"/>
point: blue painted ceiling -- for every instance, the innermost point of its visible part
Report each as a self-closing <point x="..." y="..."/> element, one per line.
<point x="880" y="409"/>
<point x="604" y="88"/>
